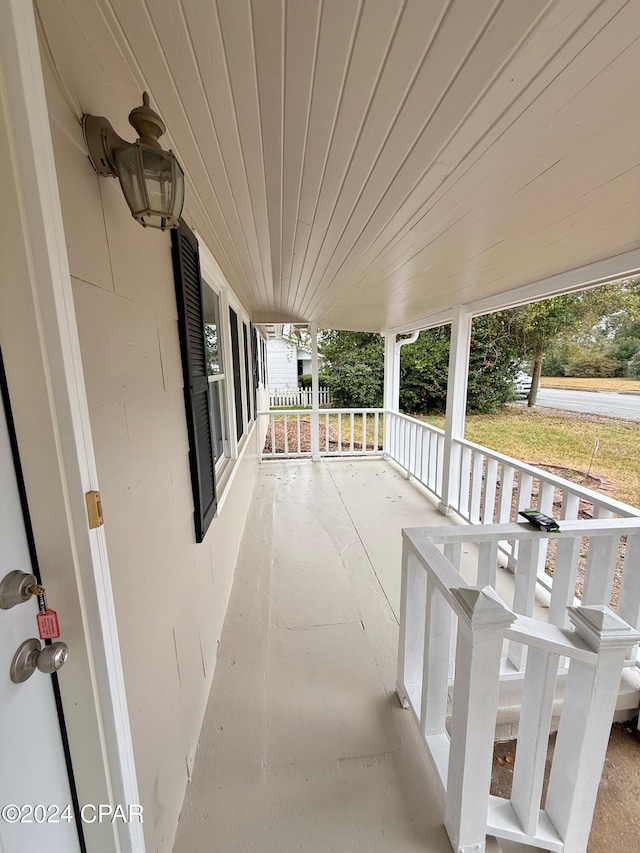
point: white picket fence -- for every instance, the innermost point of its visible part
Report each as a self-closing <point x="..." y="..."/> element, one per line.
<point x="450" y="628"/>
<point x="279" y="398"/>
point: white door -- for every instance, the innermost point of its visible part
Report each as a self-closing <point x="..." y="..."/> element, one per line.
<point x="34" y="785"/>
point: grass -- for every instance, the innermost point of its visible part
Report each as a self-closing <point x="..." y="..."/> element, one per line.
<point x="563" y="439"/>
<point x="357" y="427"/>
<point x="575" y="383"/>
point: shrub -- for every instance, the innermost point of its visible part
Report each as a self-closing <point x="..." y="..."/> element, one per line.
<point x="592" y="363"/>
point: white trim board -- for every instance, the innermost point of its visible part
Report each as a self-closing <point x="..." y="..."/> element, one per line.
<point x="45" y="337"/>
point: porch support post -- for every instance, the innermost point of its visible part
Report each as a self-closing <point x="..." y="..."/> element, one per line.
<point x="390" y="401"/>
<point x="456" y="406"/>
<point x="315" y="395"/>
<point x="392" y="347"/>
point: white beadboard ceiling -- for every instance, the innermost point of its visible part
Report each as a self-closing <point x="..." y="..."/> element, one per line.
<point x="365" y="163"/>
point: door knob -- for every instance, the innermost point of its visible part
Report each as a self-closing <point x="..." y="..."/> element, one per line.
<point x="16" y="588"/>
<point x="31" y="656"/>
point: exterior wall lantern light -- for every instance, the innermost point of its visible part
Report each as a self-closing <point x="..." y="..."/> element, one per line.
<point x="152" y="180"/>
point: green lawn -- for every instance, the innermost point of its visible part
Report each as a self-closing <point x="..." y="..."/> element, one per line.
<point x="563" y="439"/>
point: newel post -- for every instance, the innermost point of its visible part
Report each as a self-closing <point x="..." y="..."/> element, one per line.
<point x="590" y="700"/>
<point x="482" y="621"/>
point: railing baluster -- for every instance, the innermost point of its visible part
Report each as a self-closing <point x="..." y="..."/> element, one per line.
<point x="273" y="433"/>
<point x="435" y="673"/>
<point x="476" y="488"/>
<point x="351" y="425"/>
<point x="546" y="492"/>
<point x="534" y="726"/>
<point x="465" y="481"/>
<point x="440" y="474"/>
<point x="524" y="593"/>
<point x="490" y="485"/>
<point x="565" y="572"/>
<point x="629" y="595"/>
<point x="487" y="563"/>
<point x="506" y="493"/>
<point x="363" y="443"/>
<point x="413" y="597"/>
<point x="600" y="569"/>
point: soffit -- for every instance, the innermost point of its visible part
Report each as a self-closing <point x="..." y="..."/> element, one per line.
<point x="365" y="164"/>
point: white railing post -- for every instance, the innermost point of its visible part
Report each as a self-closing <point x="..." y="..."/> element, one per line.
<point x="456" y="407"/>
<point x="482" y="621"/>
<point x="315" y="386"/>
<point x="589" y="704"/>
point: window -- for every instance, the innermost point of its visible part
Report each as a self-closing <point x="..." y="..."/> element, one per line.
<point x="219" y="370"/>
<point x="215" y="371"/>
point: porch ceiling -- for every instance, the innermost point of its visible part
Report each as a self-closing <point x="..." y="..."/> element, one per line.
<point x="366" y="164"/>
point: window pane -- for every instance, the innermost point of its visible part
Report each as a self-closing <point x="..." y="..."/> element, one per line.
<point x="217" y="420"/>
<point x="211" y="306"/>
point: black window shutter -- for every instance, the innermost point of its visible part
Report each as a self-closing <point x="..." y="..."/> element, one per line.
<point x="237" y="374"/>
<point x="254" y="362"/>
<point x="186" y="268"/>
<point x="247" y="378"/>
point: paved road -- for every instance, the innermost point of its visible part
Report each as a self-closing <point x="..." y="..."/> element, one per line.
<point x="612" y="405"/>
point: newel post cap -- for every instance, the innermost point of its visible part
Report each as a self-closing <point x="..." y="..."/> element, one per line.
<point x="482" y="609"/>
<point x="601" y="628"/>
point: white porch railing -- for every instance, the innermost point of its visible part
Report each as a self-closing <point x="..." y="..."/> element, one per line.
<point x="491" y="488"/>
<point x="417" y="447"/>
<point x="297" y="397"/>
<point x="437" y="606"/>
<point x="342" y="432"/>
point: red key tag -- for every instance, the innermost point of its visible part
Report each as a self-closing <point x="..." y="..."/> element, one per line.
<point x="48" y="624"/>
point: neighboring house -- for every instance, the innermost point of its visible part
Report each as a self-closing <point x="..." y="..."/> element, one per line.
<point x="287" y="361"/>
<point x="351" y="167"/>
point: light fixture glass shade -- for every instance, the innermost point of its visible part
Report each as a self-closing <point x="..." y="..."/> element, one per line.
<point x="152" y="181"/>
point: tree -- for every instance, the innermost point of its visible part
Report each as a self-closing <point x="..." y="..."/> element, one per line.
<point x="585" y="317"/>
<point x="354" y="363"/>
<point x="535" y="326"/>
<point x="354" y="367"/>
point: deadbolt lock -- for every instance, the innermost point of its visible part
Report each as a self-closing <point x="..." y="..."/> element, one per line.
<point x="31" y="656"/>
<point x="16" y="588"/>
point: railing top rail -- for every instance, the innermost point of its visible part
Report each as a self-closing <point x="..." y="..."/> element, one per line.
<point x="524" y="629"/>
<point x="520" y="530"/>
<point x="446" y="576"/>
<point x="331" y="411"/>
<point x="538" y="473"/>
<point x="421" y="423"/>
<point x="550" y="638"/>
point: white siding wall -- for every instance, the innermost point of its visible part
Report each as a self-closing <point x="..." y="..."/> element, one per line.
<point x="171" y="595"/>
<point x="282" y="363"/>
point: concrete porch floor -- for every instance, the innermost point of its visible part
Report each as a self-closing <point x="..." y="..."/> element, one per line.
<point x="304" y="744"/>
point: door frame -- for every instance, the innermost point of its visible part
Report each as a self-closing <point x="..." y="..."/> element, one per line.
<point x="48" y="397"/>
